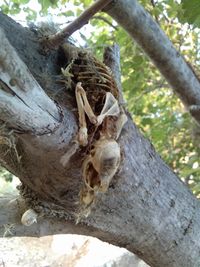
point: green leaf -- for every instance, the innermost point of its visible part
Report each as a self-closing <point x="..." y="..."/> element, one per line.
<point x="31" y="14"/>
<point x="4" y="9"/>
<point x="20" y="1"/>
<point x="87" y="3"/>
<point x="69" y="13"/>
<point x="45" y="4"/>
<point x="191" y="12"/>
<point x="15" y="9"/>
<point x="189" y="171"/>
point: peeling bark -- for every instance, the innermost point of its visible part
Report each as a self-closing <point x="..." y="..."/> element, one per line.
<point x="23" y="104"/>
<point x="147" y="209"/>
<point x="155" y="43"/>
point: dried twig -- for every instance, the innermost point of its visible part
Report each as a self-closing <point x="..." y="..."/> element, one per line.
<point x="154" y="6"/>
<point x="111" y="59"/>
<point x="106" y="21"/>
<point x="57" y="39"/>
<point x="153" y="3"/>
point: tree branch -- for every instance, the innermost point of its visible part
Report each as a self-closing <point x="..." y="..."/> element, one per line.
<point x="23" y="104"/>
<point x="106" y="21"/>
<point x="12" y="233"/>
<point x="147" y="33"/>
<point x="147" y="209"/>
<point x="158" y="224"/>
<point x="11" y="209"/>
<point x="58" y="38"/>
<point x="111" y="58"/>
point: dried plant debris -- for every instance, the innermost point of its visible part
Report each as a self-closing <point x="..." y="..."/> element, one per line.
<point x="6" y="136"/>
<point x="8" y="140"/>
<point x="101" y="119"/>
<point x="38" y="208"/>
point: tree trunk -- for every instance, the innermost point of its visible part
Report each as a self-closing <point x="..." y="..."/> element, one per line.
<point x="147" y="208"/>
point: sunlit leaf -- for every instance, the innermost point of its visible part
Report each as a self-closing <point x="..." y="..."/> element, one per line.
<point x="69" y="13"/>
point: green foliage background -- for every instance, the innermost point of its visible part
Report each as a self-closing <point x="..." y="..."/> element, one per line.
<point x="155" y="109"/>
<point x="191" y="12"/>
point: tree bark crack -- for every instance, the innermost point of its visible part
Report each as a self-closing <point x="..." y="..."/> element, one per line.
<point x="20" y="98"/>
<point x="188" y="228"/>
<point x="58" y="119"/>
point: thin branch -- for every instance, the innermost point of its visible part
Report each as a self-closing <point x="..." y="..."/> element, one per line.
<point x="154" y="6"/>
<point x="106" y="21"/>
<point x="153" y="3"/>
<point x="23" y="103"/>
<point x="58" y="38"/>
<point x="111" y="59"/>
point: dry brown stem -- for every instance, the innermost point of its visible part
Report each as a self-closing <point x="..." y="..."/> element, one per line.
<point x="58" y="38"/>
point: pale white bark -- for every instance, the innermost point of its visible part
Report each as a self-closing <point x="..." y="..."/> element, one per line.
<point x="23" y="104"/>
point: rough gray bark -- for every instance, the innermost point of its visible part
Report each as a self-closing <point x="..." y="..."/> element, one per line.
<point x="112" y="60"/>
<point x="155" y="43"/>
<point x="63" y="250"/>
<point x="11" y="210"/>
<point x="147" y="209"/>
